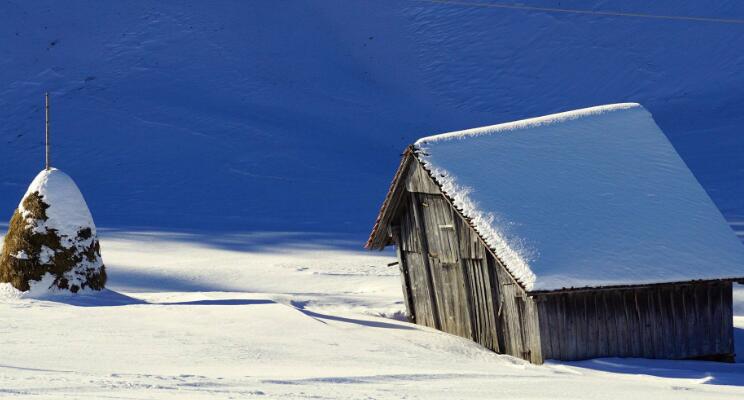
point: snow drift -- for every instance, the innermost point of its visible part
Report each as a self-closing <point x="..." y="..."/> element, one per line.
<point x="51" y="242"/>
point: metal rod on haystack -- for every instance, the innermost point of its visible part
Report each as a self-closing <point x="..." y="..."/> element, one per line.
<point x="46" y="131"/>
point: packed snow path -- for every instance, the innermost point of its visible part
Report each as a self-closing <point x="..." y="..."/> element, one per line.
<point x="284" y="316"/>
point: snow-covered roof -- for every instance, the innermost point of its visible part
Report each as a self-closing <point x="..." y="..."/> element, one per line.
<point x="586" y="198"/>
<point x="67" y="212"/>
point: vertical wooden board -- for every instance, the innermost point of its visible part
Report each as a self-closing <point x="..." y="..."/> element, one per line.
<point x="425" y="295"/>
<point x="556" y="333"/>
<point x="655" y="322"/>
<point x="594" y="340"/>
<point x="647" y="321"/>
<point x="590" y="317"/>
<point x="682" y="318"/>
<point x="409" y="236"/>
<point x="675" y="305"/>
<point x="405" y="232"/>
<point x="507" y="312"/>
<point x="464" y="303"/>
<point x="405" y="281"/>
<point x="703" y="298"/>
<point x="569" y="326"/>
<point x="691" y="318"/>
<point x="471" y="276"/>
<point x="486" y="309"/>
<point x="543" y="314"/>
<point x="440" y="228"/>
<point x="561" y="326"/>
<point x="716" y="315"/>
<point x="616" y="345"/>
<point x="483" y="314"/>
<point x="497" y="300"/>
<point x="521" y="325"/>
<point x="502" y="314"/>
<point x="441" y="295"/>
<point x="579" y="312"/>
<point x="591" y="343"/>
<point x="727" y="318"/>
<point x="618" y="313"/>
<point x="653" y="317"/>
<point x="420" y="230"/>
<point x="419" y="181"/>
<point x="599" y="330"/>
<point x="533" y="326"/>
<point x="625" y="335"/>
<point x="662" y="324"/>
<point x="491" y="296"/>
<point x="479" y="302"/>
<point x="464" y="234"/>
<point x="449" y="294"/>
<point x="419" y="289"/>
<point x="512" y="317"/>
<point x="634" y="330"/>
<point x="470" y="246"/>
<point x="609" y="320"/>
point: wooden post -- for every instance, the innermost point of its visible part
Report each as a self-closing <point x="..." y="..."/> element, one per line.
<point x="47" y="164"/>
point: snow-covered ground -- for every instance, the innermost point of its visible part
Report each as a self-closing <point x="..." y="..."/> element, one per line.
<point x="264" y="116"/>
<point x="285" y="315"/>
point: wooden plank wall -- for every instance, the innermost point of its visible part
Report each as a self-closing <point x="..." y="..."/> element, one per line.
<point x="455" y="284"/>
<point x="412" y="256"/>
<point x="669" y="321"/>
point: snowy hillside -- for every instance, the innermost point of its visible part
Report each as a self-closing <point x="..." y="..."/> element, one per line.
<point x="234" y="155"/>
<point x="199" y="317"/>
<point x="291" y="116"/>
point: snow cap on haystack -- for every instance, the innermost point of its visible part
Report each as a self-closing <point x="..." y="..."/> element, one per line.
<point x="51" y="244"/>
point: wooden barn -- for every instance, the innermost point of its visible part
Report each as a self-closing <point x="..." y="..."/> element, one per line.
<point x="571" y="236"/>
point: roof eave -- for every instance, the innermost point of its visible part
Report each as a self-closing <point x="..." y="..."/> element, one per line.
<point x="631" y="286"/>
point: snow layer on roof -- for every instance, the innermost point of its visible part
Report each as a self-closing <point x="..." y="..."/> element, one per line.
<point x="586" y="198"/>
<point x="67" y="213"/>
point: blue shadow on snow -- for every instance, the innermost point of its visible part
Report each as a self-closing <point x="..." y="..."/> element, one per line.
<point x="709" y="372"/>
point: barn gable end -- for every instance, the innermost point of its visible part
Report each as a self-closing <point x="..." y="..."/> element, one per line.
<point x="451" y="280"/>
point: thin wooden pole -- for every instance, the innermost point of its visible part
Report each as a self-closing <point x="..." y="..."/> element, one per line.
<point x="47" y="164"/>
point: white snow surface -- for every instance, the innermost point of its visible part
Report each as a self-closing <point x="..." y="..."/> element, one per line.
<point x="586" y="198"/>
<point x="268" y="315"/>
<point x="67" y="212"/>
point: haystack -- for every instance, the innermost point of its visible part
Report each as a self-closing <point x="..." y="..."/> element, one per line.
<point x="51" y="242"/>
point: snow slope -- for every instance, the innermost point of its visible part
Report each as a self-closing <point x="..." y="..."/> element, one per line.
<point x="291" y="116"/>
<point x="241" y="316"/>
<point x="590" y="197"/>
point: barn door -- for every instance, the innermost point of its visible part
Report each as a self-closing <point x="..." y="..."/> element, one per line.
<point x="450" y="279"/>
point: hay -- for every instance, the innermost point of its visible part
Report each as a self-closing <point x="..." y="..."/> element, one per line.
<point x="32" y="250"/>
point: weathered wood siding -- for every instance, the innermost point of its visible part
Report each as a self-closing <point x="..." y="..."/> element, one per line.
<point x="453" y="281"/>
<point x="667" y="321"/>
